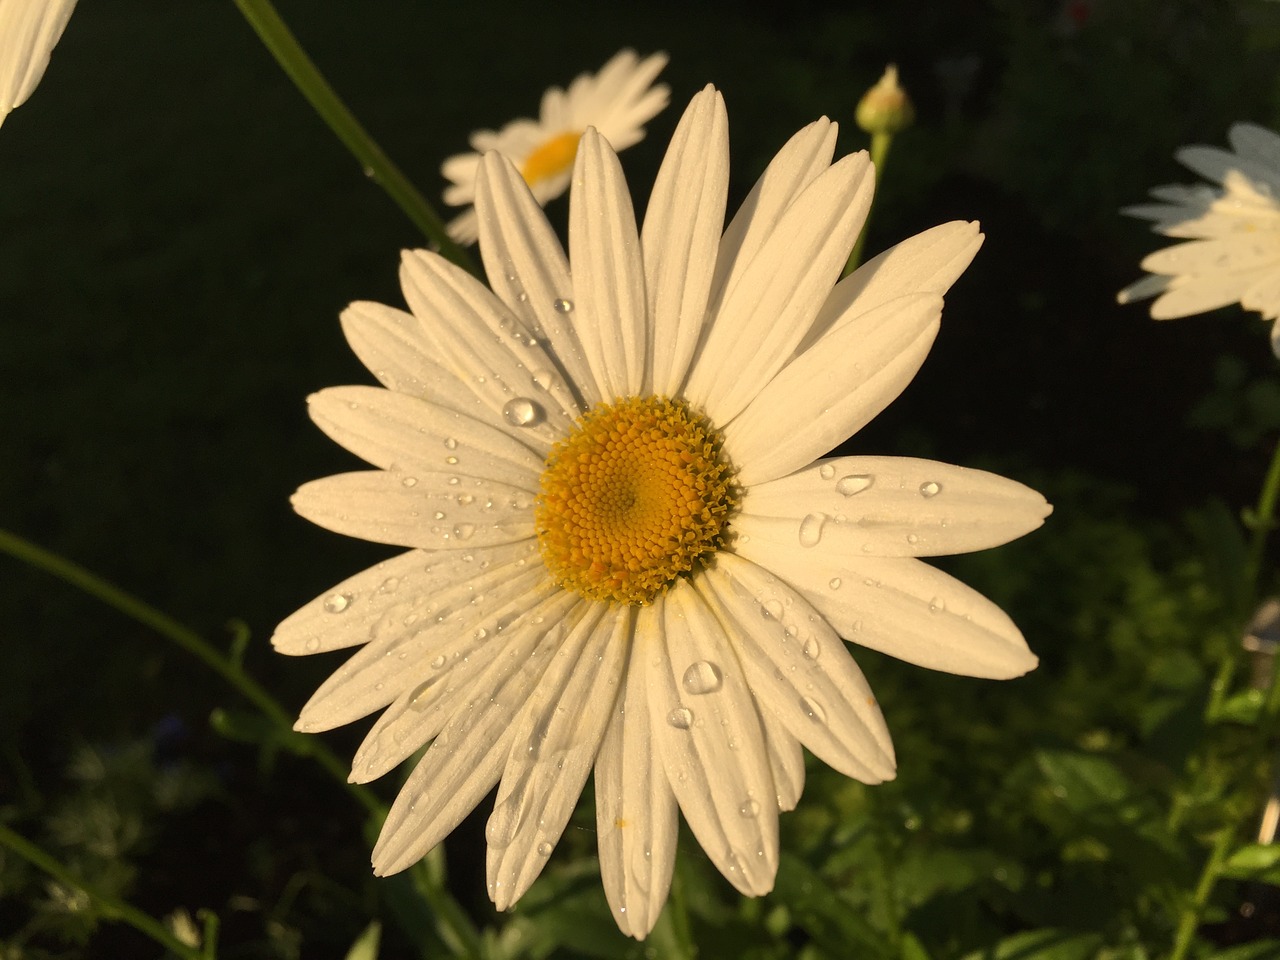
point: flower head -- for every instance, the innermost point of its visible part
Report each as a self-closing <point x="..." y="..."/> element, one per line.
<point x="618" y="101"/>
<point x="626" y="555"/>
<point x="1233" y="230"/>
<point x="29" y="30"/>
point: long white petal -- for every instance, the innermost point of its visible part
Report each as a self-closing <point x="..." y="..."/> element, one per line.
<point x="786" y="760"/>
<point x="635" y="809"/>
<point x="708" y="734"/>
<point x="799" y="670"/>
<point x="557" y="737"/>
<point x="833" y="389"/>
<point x="681" y="235"/>
<point x="435" y="510"/>
<point x="891" y="507"/>
<point x="29" y="30"/>
<point x="608" y="275"/>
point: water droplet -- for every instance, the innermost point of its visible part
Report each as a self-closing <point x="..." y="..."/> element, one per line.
<point x="389" y="585"/>
<point x="451" y="444"/>
<point x="463" y="531"/>
<point x="439" y="514"/>
<point x="826" y="471"/>
<point x="544" y="379"/>
<point x="703" y="677"/>
<point x="771" y="608"/>
<point x="337" y="602"/>
<point x="854" y="484"/>
<point x="813" y="710"/>
<point x="451" y="460"/>
<point x="749" y="808"/>
<point x="937" y="605"/>
<point x="681" y="718"/>
<point x="930" y="489"/>
<point x="438" y="662"/>
<point x="561" y="305"/>
<point x="812" y="649"/>
<point x="313" y="644"/>
<point x="912" y="538"/>
<point x="544" y="849"/>
<point x="503" y="823"/>
<point x="811" y="529"/>
<point x="410" y="481"/>
<point x="521" y="412"/>
<point x="834" y="583"/>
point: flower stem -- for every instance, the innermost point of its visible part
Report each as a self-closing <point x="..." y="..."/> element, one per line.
<point x="110" y="907"/>
<point x="880" y="143"/>
<point x="284" y="46"/>
<point x="1189" y="915"/>
<point x="1263" y="521"/>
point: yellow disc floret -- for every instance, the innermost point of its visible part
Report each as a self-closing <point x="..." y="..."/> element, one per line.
<point x="551" y="158"/>
<point x="635" y="496"/>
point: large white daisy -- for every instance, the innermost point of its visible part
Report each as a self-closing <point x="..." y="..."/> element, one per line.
<point x="625" y="552"/>
<point x="618" y="101"/>
<point x="29" y="30"/>
<point x="1233" y="254"/>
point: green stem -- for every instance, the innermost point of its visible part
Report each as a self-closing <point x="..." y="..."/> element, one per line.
<point x="110" y="907"/>
<point x="1189" y="915"/>
<point x="880" y="143"/>
<point x="284" y="46"/>
<point x="1264" y="520"/>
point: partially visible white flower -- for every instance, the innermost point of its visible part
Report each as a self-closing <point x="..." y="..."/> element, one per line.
<point x="618" y="101"/>
<point x="29" y="30"/>
<point x="1233" y="232"/>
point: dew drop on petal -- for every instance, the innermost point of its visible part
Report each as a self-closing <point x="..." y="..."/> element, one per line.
<point x="930" y="489"/>
<point x="813" y="710"/>
<point x="544" y="849"/>
<point x="826" y="471"/>
<point x="503" y="824"/>
<point x="463" y="531"/>
<point x="749" y="808"/>
<point x="703" y="677"/>
<point x="681" y="718"/>
<point x="912" y="538"/>
<point x="811" y="529"/>
<point x="337" y="602"/>
<point x="451" y="444"/>
<point x="438" y="662"/>
<point x="561" y="305"/>
<point x="834" y="583"/>
<point x="521" y="412"/>
<point x="410" y="481"/>
<point x="544" y="379"/>
<point x="937" y="605"/>
<point x="812" y="649"/>
<point x="854" y="484"/>
<point x="771" y="608"/>
<point x="313" y="644"/>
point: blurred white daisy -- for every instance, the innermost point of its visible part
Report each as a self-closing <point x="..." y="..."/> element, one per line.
<point x="625" y="554"/>
<point x="1233" y="251"/>
<point x="29" y="30"/>
<point x="618" y="101"/>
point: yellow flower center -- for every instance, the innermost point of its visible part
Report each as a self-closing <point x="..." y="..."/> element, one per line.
<point x="635" y="496"/>
<point x="551" y="158"/>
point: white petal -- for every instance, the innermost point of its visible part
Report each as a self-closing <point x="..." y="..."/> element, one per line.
<point x="1237" y="252"/>
<point x="488" y="348"/>
<point x="410" y="436"/>
<point x="557" y="736"/>
<point x="902" y="607"/>
<point x="1214" y="163"/>
<point x="445" y="669"/>
<point x="466" y="758"/>
<point x="1191" y="295"/>
<point x="433" y="511"/>
<point x="799" y="670"/>
<point x="29" y="30"/>
<point x="786" y="761"/>
<point x="391" y="344"/>
<point x="806" y="155"/>
<point x="1264" y="296"/>
<point x="1149" y="286"/>
<point x="1256" y="143"/>
<point x="708" y="734"/>
<point x="766" y="313"/>
<point x="529" y="271"/>
<point x="681" y="234"/>
<point x="425" y="638"/>
<point x="891" y="507"/>
<point x="635" y="808"/>
<point x="608" y="276"/>
<point x="354" y="610"/>
<point x="929" y="262"/>
<point x="833" y="389"/>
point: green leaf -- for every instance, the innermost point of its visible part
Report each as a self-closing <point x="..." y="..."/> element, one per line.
<point x="1244" y="707"/>
<point x="1258" y="861"/>
<point x="1041" y="945"/>
<point x="1258" y="950"/>
<point x="366" y="945"/>
<point x="1083" y="781"/>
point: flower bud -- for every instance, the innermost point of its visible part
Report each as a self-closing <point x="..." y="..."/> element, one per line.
<point x="885" y="108"/>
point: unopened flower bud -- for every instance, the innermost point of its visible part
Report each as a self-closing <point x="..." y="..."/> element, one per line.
<point x="885" y="108"/>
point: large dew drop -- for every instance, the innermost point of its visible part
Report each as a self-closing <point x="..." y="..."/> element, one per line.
<point x="811" y="529"/>
<point x="337" y="602"/>
<point x="561" y="305"/>
<point x="521" y="412"/>
<point x="703" y="677"/>
<point x="854" y="484"/>
<point x="930" y="489"/>
<point x="681" y="718"/>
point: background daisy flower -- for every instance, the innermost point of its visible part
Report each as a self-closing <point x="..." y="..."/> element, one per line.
<point x="618" y="101"/>
<point x="1233" y="254"/>
<point x="626" y="554"/>
<point x="29" y="30"/>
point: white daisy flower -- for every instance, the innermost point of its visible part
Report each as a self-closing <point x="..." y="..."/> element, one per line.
<point x="618" y="101"/>
<point x="1233" y="254"/>
<point x="29" y="30"/>
<point x="625" y="554"/>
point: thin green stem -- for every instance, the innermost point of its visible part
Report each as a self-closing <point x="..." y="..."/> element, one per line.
<point x="284" y="46"/>
<point x="1263" y="521"/>
<point x="1189" y="915"/>
<point x="880" y="143"/>
<point x="109" y="907"/>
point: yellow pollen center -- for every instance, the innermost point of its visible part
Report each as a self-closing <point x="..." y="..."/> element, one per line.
<point x="635" y="496"/>
<point x="551" y="158"/>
